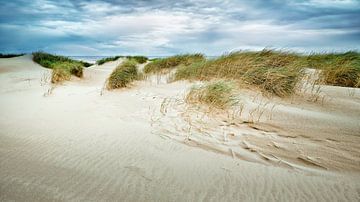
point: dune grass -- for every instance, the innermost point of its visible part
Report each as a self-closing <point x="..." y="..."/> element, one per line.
<point x="107" y="59"/>
<point x="271" y="71"/>
<point x="123" y="75"/>
<point x="338" y="69"/>
<point x="217" y="94"/>
<point x="138" y="58"/>
<point x="59" y="75"/>
<point x="165" y="64"/>
<point x="49" y="61"/>
<point x="11" y="55"/>
<point x="63" y="67"/>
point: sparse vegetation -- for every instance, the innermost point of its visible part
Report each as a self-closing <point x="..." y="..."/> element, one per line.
<point x="124" y="74"/>
<point x="10" y="55"/>
<point x="164" y="64"/>
<point x="218" y="94"/>
<point x="139" y="59"/>
<point x="63" y="67"/>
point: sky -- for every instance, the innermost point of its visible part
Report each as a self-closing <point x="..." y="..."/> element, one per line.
<point x="168" y="27"/>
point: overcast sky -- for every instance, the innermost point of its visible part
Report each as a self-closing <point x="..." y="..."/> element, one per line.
<point x="166" y="27"/>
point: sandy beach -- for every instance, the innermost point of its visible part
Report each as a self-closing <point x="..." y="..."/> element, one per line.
<point x="80" y="142"/>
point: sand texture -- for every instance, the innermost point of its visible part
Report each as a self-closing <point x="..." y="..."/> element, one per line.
<point x="80" y="142"/>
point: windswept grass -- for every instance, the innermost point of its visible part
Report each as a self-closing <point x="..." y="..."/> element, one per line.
<point x="63" y="67"/>
<point x="218" y="94"/>
<point x="165" y="64"/>
<point x="49" y="61"/>
<point x="189" y="72"/>
<point x="10" y="55"/>
<point x="124" y="74"/>
<point x="338" y="69"/>
<point x="271" y="71"/>
<point x="139" y="59"/>
<point x="108" y="59"/>
<point x="59" y="75"/>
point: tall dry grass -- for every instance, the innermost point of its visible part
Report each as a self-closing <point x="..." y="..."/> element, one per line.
<point x="217" y="94"/>
<point x="165" y="64"/>
<point x="271" y="71"/>
<point x="337" y="69"/>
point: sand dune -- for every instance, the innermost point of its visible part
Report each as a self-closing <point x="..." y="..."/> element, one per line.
<point x="79" y="142"/>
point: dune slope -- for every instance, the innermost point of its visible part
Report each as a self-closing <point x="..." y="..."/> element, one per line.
<point x="79" y="142"/>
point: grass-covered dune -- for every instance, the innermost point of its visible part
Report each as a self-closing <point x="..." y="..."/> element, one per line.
<point x="63" y="67"/>
<point x="108" y="59"/>
<point x="164" y="64"/>
<point x="124" y="74"/>
<point x="274" y="72"/>
<point x="137" y="58"/>
<point x="10" y="55"/>
<point x="338" y="69"/>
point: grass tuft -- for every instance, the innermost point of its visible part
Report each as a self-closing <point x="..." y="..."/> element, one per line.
<point x="338" y="69"/>
<point x="108" y="59"/>
<point x="218" y="94"/>
<point x="63" y="67"/>
<point x="59" y="75"/>
<point x="138" y="58"/>
<point x="164" y="64"/>
<point x="271" y="71"/>
<point x="124" y="74"/>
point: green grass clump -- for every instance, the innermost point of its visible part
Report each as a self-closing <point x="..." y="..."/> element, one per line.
<point x="218" y="94"/>
<point x="139" y="59"/>
<point x="189" y="72"/>
<point x="10" y="55"/>
<point x="338" y="69"/>
<point x="63" y="71"/>
<point x="271" y="71"/>
<point x="165" y="64"/>
<point x="49" y="61"/>
<point x="59" y="75"/>
<point x="108" y="59"/>
<point x="63" y="67"/>
<point x="124" y="74"/>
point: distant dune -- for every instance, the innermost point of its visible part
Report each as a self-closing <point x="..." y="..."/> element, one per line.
<point x="80" y="142"/>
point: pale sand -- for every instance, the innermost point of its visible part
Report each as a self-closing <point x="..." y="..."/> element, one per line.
<point x="79" y="142"/>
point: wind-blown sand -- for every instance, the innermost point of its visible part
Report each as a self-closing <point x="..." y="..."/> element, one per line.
<point x="79" y="142"/>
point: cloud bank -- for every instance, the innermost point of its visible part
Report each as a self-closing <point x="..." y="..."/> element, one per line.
<point x="166" y="27"/>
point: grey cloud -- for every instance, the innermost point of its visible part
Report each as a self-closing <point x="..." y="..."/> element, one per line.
<point x="169" y="27"/>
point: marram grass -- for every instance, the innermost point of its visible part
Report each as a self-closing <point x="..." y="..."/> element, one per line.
<point x="123" y="75"/>
<point x="63" y="67"/>
<point x="165" y="64"/>
<point x="217" y="94"/>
